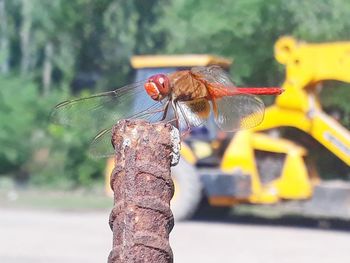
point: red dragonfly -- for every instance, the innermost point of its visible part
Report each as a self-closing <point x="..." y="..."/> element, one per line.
<point x="191" y="95"/>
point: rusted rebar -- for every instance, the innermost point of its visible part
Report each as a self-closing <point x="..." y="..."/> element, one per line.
<point x="141" y="219"/>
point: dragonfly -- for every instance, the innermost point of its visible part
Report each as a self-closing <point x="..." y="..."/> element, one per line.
<point x="192" y="95"/>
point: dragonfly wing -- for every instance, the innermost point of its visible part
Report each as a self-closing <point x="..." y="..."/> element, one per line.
<point x="101" y="145"/>
<point x="242" y="111"/>
<point x="104" y="107"/>
<point x="232" y="111"/>
<point x="102" y="111"/>
<point x="193" y="113"/>
<point x="213" y="75"/>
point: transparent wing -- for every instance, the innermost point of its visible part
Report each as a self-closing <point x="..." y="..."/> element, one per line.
<point x="214" y="75"/>
<point x="98" y="109"/>
<point x="101" y="146"/>
<point x="232" y="109"/>
<point x="241" y="111"/>
<point x="193" y="113"/>
<point x="101" y="111"/>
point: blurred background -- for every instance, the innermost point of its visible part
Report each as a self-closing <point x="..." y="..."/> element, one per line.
<point x="54" y="50"/>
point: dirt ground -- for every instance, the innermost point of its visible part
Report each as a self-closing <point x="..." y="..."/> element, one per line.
<point x="36" y="236"/>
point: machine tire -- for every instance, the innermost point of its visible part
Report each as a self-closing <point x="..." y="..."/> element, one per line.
<point x="188" y="191"/>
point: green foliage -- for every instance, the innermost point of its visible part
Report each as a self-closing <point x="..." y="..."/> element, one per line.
<point x="92" y="37"/>
<point x="335" y="98"/>
<point x="221" y="27"/>
<point x="247" y="30"/>
<point x="30" y="145"/>
<point x="18" y="109"/>
<point x="320" y="21"/>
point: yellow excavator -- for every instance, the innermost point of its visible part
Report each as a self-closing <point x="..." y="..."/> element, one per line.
<point x="307" y="66"/>
<point x="258" y="166"/>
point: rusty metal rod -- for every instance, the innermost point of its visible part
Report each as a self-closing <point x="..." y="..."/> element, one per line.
<point x="141" y="219"/>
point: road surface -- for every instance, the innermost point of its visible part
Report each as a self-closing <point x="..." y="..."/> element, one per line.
<point x="57" y="237"/>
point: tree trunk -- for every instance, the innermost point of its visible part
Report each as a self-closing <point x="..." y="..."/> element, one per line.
<point x="25" y="36"/>
<point x="4" y="42"/>
<point x="47" y="68"/>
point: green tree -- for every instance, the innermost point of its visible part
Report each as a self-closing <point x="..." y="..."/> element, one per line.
<point x="225" y="28"/>
<point x="247" y="30"/>
<point x="320" y="21"/>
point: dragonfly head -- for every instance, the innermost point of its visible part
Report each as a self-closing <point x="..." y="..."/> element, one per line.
<point x="158" y="86"/>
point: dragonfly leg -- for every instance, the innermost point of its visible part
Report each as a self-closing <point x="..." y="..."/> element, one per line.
<point x="176" y="117"/>
<point x="185" y="134"/>
<point x="165" y="110"/>
<point x="173" y="104"/>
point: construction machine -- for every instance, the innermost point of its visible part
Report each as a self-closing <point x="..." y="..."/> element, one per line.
<point x="276" y="167"/>
<point x="259" y="166"/>
<point x="307" y="67"/>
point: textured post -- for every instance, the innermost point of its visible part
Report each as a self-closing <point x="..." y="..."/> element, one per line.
<point x="141" y="219"/>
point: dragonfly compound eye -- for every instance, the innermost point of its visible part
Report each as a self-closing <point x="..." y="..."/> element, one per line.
<point x="158" y="86"/>
<point x="152" y="90"/>
<point x="163" y="84"/>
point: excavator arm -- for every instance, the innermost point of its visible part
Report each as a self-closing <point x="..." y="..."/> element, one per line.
<point x="332" y="135"/>
<point x="307" y="65"/>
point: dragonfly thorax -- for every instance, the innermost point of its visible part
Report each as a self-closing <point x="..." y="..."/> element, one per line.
<point x="158" y="86"/>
